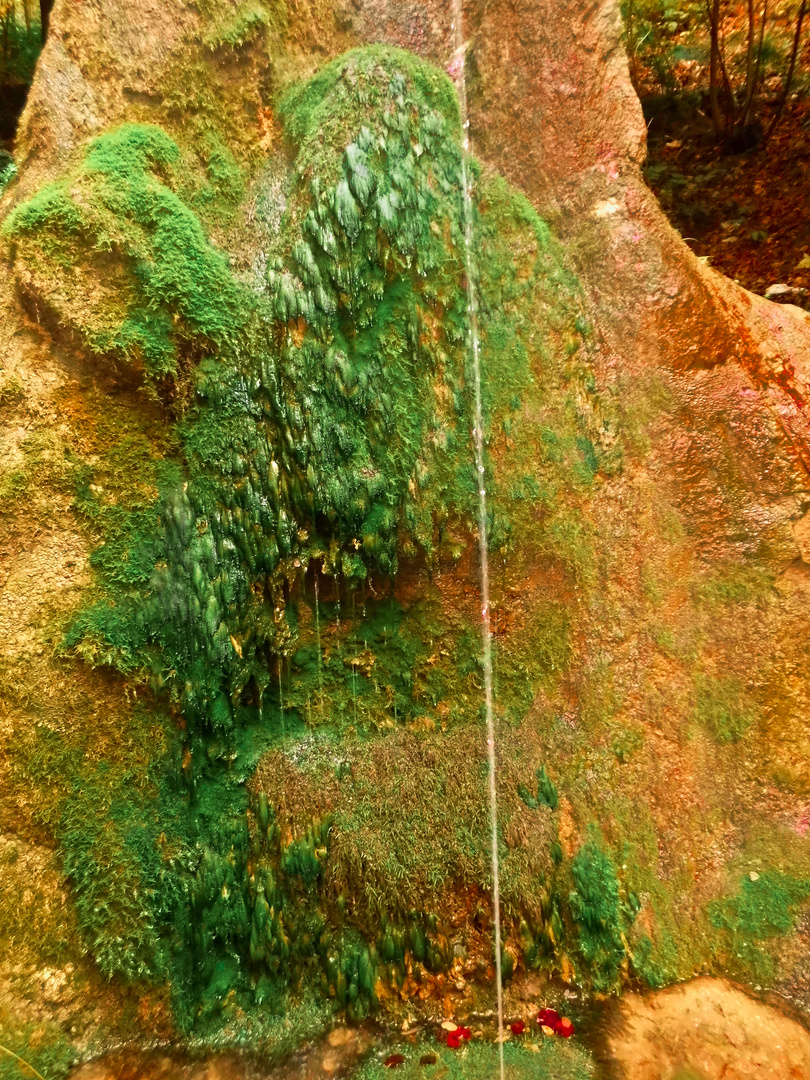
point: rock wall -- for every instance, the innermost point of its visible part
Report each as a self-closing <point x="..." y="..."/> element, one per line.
<point x="299" y="823"/>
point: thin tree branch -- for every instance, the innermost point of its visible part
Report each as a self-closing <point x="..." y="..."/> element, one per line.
<point x="789" y="80"/>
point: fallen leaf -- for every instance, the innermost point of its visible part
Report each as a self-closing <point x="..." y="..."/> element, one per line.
<point x="803" y="263"/>
<point x="393" y="1061"/>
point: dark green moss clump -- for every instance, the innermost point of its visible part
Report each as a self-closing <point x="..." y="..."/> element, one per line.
<point x="764" y="908"/>
<point x="599" y="913"/>
<point x="546" y="792"/>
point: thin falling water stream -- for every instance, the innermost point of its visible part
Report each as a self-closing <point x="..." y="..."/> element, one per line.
<point x="478" y="437"/>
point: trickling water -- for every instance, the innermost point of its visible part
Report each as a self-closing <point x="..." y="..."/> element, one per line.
<point x="478" y="438"/>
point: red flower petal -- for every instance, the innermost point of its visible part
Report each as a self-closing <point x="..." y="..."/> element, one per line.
<point x="548" y="1018"/>
<point x="462" y="1033"/>
<point x="518" y="1027"/>
<point x="565" y="1028"/>
<point x="394" y="1060"/>
<point x="453" y="1040"/>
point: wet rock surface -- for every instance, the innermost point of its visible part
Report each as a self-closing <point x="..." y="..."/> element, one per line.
<point x="678" y="721"/>
<point x="707" y="1029"/>
<point x="333" y="1057"/>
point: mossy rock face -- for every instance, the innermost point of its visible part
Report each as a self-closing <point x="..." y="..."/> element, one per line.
<point x="328" y="431"/>
<point x="285" y="575"/>
<point x="323" y="456"/>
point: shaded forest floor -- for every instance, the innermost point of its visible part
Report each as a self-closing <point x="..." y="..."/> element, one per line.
<point x="747" y="213"/>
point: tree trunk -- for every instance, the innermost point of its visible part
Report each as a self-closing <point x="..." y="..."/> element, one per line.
<point x="45" y="8"/>
<point x="794" y="52"/>
<point x="714" y="69"/>
<point x="750" y="66"/>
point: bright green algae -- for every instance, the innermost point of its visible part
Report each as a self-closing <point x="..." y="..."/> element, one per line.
<point x="326" y="434"/>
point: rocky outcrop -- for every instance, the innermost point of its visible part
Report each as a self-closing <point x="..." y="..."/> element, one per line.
<point x="648" y="446"/>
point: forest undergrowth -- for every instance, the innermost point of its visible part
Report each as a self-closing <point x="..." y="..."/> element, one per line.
<point x="735" y="185"/>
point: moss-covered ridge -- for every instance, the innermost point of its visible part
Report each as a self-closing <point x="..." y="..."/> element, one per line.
<point x="118" y="214"/>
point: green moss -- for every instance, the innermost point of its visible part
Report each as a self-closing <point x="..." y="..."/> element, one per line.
<point x="121" y="201"/>
<point x="241" y="26"/>
<point x="324" y="441"/>
<point x="224" y="188"/>
<point x="735" y="584"/>
<point x="546" y="792"/>
<point x="599" y="913"/>
<point x="723" y="709"/>
<point x="46" y="466"/>
<point x="626" y="743"/>
<point x="14" y="488"/>
<point x="763" y="909"/>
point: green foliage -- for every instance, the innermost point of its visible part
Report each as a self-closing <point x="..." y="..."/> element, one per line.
<point x="652" y="29"/>
<point x="21" y="46"/>
<point x="723" y="709"/>
<point x="599" y="913"/>
<point x="557" y="1059"/>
